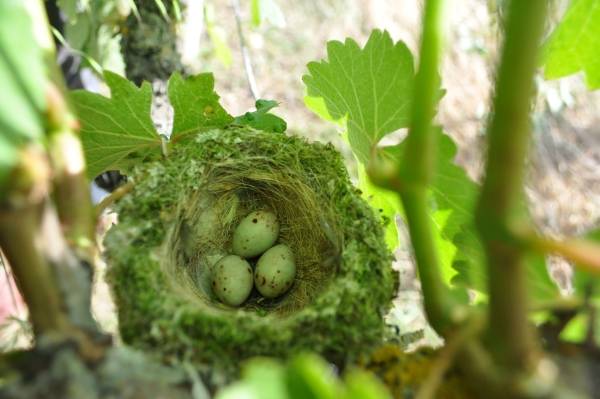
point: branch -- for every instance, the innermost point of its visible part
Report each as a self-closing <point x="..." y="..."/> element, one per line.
<point x="499" y="212"/>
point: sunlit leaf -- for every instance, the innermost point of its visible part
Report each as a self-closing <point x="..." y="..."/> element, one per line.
<point x="366" y="91"/>
<point x="196" y="104"/>
<point x="261" y="119"/>
<point x="574" y="44"/>
<point x="310" y="377"/>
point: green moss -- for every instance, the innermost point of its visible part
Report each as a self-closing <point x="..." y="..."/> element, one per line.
<point x="341" y="321"/>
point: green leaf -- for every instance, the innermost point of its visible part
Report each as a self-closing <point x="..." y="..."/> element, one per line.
<point x="472" y="270"/>
<point x="587" y="288"/>
<point x="69" y="7"/>
<point x="117" y="132"/>
<point x="261" y="120"/>
<point x="574" y="44"/>
<point x="362" y="385"/>
<point x="262" y="378"/>
<point x="217" y="37"/>
<point x="310" y="377"/>
<point x="254" y="13"/>
<point x="270" y="11"/>
<point x="196" y="105"/>
<point x="470" y="264"/>
<point x="452" y="199"/>
<point x="386" y="204"/>
<point x="366" y="91"/>
<point x="22" y="69"/>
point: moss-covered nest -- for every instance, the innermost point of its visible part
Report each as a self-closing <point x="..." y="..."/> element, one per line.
<point x="179" y="221"/>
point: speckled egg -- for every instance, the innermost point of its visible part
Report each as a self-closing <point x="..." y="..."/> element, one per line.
<point x="256" y="233"/>
<point x="231" y="280"/>
<point x="275" y="271"/>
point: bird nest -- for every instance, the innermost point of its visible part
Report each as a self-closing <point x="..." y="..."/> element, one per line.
<point x="179" y="221"/>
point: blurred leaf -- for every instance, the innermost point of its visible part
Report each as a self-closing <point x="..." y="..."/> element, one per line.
<point x="262" y="378"/>
<point x="23" y="81"/>
<point x="472" y="270"/>
<point x="217" y="37"/>
<point x="309" y="377"/>
<point x="196" y="104"/>
<point x="91" y="32"/>
<point x="266" y="376"/>
<point x="117" y="132"/>
<point x="587" y="288"/>
<point x="70" y="8"/>
<point x="254" y="13"/>
<point x="270" y="11"/>
<point x="470" y="264"/>
<point x="362" y="385"/>
<point x="261" y="120"/>
<point x="386" y="204"/>
<point x="574" y="44"/>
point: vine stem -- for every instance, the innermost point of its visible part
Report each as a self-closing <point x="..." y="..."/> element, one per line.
<point x="416" y="170"/>
<point x="499" y="211"/>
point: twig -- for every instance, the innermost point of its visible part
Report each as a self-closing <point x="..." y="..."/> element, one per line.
<point x="245" y="53"/>
<point x="113" y="197"/>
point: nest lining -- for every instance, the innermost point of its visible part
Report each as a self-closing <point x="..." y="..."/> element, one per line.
<point x="226" y="193"/>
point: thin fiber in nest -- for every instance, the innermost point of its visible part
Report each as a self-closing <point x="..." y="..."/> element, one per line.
<point x="179" y="221"/>
<point x="227" y="192"/>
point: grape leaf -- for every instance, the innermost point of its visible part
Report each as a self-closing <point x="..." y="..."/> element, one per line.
<point x="368" y="92"/>
<point x="196" y="105"/>
<point x="385" y="202"/>
<point x="116" y="132"/>
<point x="574" y="44"/>
<point x="261" y="120"/>
<point x="452" y="200"/>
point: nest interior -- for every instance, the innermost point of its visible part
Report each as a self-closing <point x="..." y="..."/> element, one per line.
<point x="179" y="221"/>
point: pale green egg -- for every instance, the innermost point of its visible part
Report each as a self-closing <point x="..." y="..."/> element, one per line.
<point x="256" y="233"/>
<point x="231" y="280"/>
<point x="275" y="271"/>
